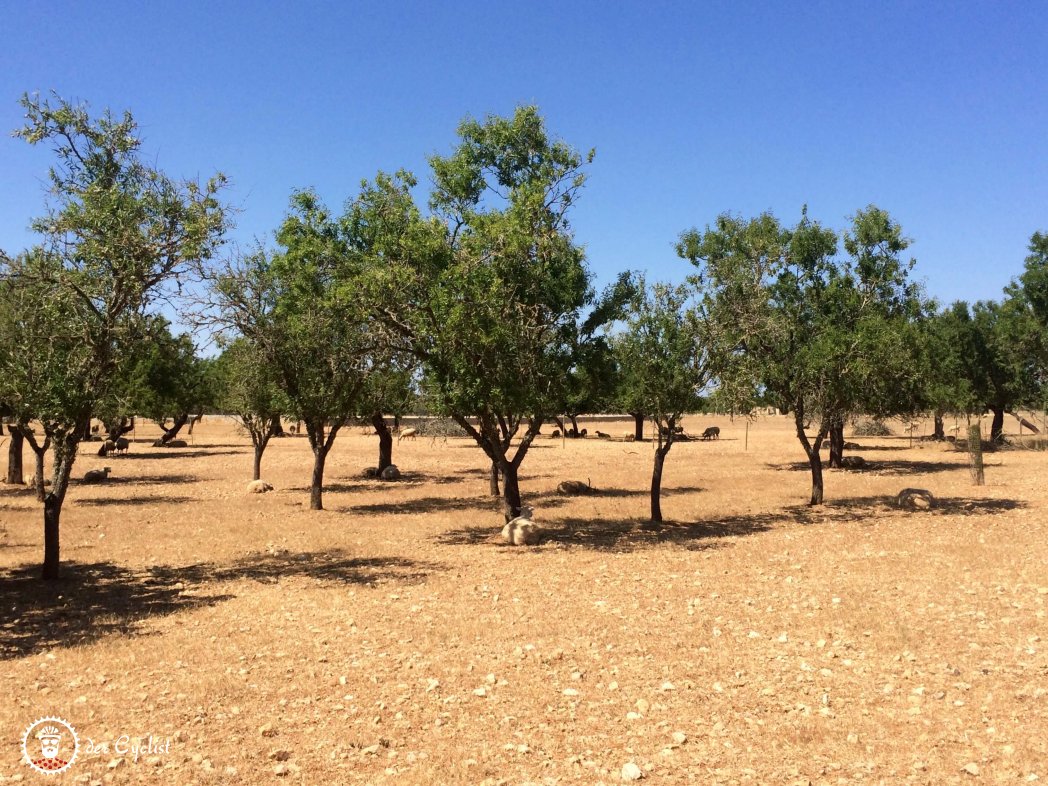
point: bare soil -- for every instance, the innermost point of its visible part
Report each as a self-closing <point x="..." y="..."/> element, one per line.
<point x="392" y="639"/>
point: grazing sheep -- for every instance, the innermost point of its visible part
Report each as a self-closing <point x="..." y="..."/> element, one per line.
<point x="522" y="531"/>
<point x="258" y="487"/>
<point x="96" y="475"/>
<point x="391" y="473"/>
<point x="555" y="434"/>
<point x="631" y="437"/>
<point x="292" y="429"/>
<point x="583" y="433"/>
<point x="575" y="488"/>
<point x="915" y="499"/>
<point x="408" y="433"/>
<point x="107" y="447"/>
<point x="122" y="444"/>
<point x="713" y="432"/>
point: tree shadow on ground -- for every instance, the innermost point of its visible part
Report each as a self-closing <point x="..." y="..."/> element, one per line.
<point x="625" y="535"/>
<point x="612" y="493"/>
<point x="483" y="505"/>
<point x="143" y="480"/>
<point x="852" y="508"/>
<point x="169" y="453"/>
<point x="152" y="499"/>
<point x="879" y="467"/>
<point x="93" y="601"/>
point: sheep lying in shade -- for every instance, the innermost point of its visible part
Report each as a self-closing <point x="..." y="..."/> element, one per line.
<point x="97" y="475"/>
<point x="258" y="487"/>
<point x="574" y="488"/>
<point x="522" y="531"/>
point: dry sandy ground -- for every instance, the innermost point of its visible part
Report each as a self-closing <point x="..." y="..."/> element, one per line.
<point x="390" y="640"/>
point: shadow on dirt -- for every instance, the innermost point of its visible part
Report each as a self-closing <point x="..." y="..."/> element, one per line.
<point x="880" y="467"/>
<point x="141" y="480"/>
<point x="625" y="535"/>
<point x="170" y="453"/>
<point x="859" y="508"/>
<point x="93" y="601"/>
<point x="152" y="499"/>
<point x="485" y="505"/>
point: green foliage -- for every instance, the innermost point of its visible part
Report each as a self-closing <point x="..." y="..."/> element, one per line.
<point x="665" y="354"/>
<point x="246" y="387"/>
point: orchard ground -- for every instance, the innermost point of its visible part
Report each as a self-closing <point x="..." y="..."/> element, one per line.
<point x="392" y="639"/>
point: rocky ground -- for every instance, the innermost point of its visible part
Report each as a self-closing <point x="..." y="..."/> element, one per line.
<point x="392" y="639"/>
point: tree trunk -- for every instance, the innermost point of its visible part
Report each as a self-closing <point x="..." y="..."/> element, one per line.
<point x="193" y="421"/>
<point x="574" y="424"/>
<point x="385" y="441"/>
<point x="510" y="490"/>
<point x="256" y="472"/>
<point x="117" y="428"/>
<point x="14" y="456"/>
<point x="815" y="461"/>
<point x="52" y="513"/>
<point x="493" y="487"/>
<point x="275" y="427"/>
<point x="656" y="482"/>
<point x="316" y="490"/>
<point x="812" y="451"/>
<point x="638" y="425"/>
<point x="38" y="475"/>
<point x="836" y="442"/>
<point x="997" y="426"/>
<point x="65" y="457"/>
<point x="176" y="426"/>
<point x="940" y="428"/>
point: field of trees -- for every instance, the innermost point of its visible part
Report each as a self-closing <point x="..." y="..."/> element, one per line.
<point x="267" y="498"/>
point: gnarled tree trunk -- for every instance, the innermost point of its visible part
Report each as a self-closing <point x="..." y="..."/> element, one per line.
<point x="638" y="425"/>
<point x="176" y="426"/>
<point x="836" y="442"/>
<point x="812" y="449"/>
<point x="493" y="481"/>
<point x="276" y="429"/>
<point x="385" y="441"/>
<point x="661" y="450"/>
<point x="65" y="457"/>
<point x="997" y="425"/>
<point x="940" y="428"/>
<point x="14" y="456"/>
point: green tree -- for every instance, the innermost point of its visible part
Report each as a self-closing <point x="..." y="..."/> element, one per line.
<point x="301" y="309"/>
<point x="246" y="388"/>
<point x="487" y="292"/>
<point x="822" y="336"/>
<point x="118" y="231"/>
<point x="667" y="355"/>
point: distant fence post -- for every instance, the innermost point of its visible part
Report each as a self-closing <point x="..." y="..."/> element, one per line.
<point x="975" y="456"/>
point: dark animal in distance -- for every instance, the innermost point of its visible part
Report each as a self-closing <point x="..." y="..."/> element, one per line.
<point x="575" y="487"/>
<point x="713" y="432"/>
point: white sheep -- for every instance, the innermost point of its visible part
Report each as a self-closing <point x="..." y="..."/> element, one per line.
<point x="97" y="475"/>
<point x="408" y="433"/>
<point x="258" y="487"/>
<point x="522" y="531"/>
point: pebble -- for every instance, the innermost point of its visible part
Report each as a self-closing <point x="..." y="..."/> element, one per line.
<point x="631" y="772"/>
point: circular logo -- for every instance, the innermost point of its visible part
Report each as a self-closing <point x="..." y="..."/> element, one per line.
<point x="50" y="745"/>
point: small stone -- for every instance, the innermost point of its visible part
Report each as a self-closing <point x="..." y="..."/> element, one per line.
<point x="267" y="730"/>
<point x="280" y="755"/>
<point x="680" y="737"/>
<point x="570" y="692"/>
<point x="971" y="768"/>
<point x="642" y="706"/>
<point x="281" y="770"/>
<point x="114" y="763"/>
<point x="481" y="691"/>
<point x="631" y="772"/>
<point x="668" y="686"/>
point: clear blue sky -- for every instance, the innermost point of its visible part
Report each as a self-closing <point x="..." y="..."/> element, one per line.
<point x="937" y="112"/>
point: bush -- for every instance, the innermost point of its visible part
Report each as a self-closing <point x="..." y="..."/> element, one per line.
<point x="871" y="428"/>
